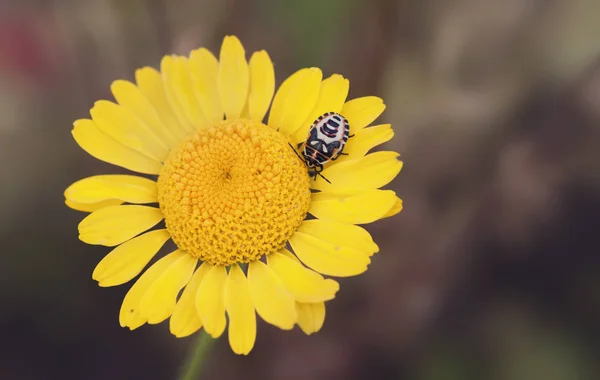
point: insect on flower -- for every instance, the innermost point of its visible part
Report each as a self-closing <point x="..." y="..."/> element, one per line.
<point x="248" y="246"/>
<point x="326" y="140"/>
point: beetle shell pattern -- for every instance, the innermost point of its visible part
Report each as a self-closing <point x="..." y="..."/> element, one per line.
<point x="326" y="140"/>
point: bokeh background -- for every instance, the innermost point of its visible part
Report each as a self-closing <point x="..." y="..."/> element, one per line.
<point x="492" y="271"/>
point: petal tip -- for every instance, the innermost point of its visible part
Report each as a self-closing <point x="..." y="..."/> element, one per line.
<point x="232" y="41"/>
<point x="118" y="82"/>
<point x="104" y="284"/>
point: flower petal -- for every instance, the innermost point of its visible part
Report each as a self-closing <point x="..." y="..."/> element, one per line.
<point x="262" y="85"/>
<point x="332" y="96"/>
<point x="210" y="304"/>
<point x="160" y="298"/>
<point x="369" y="172"/>
<point x="328" y="258"/>
<point x="273" y="302"/>
<point x="340" y="234"/>
<point x="203" y="70"/>
<point x="365" y="140"/>
<point x="131" y="98"/>
<point x="127" y="129"/>
<point x="185" y="320"/>
<point x="396" y="208"/>
<point x="150" y="83"/>
<point x="289" y="255"/>
<point x="100" y="188"/>
<point x="295" y="99"/>
<point x="129" y="315"/>
<point x="91" y="207"/>
<point x="172" y="95"/>
<point x="284" y="90"/>
<point x="350" y="208"/>
<point x="180" y="93"/>
<point x="103" y="147"/>
<point x="233" y="77"/>
<point x="240" y="309"/>
<point x="128" y="259"/>
<point x="304" y="284"/>
<point x="113" y="225"/>
<point x="311" y="316"/>
<point x="363" y="111"/>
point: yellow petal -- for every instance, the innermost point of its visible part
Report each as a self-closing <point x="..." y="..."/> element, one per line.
<point x="369" y="172"/>
<point x="185" y="320"/>
<point x="172" y="94"/>
<point x="91" y="207"/>
<point x="363" y="111"/>
<point x="396" y="208"/>
<point x="240" y="309"/>
<point x="332" y="96"/>
<point x="281" y="95"/>
<point x="129" y="315"/>
<point x="151" y="85"/>
<point x="360" y="208"/>
<point x="210" y="304"/>
<point x="131" y="98"/>
<point x="203" y="70"/>
<point x="262" y="85"/>
<point x="101" y="188"/>
<point x="180" y="92"/>
<point x="127" y="129"/>
<point x="273" y="302"/>
<point x="304" y="284"/>
<point x="233" y="77"/>
<point x="160" y="298"/>
<point x="128" y="259"/>
<point x="340" y="234"/>
<point x="295" y="99"/>
<point x="365" y="140"/>
<point x="289" y="254"/>
<point x="311" y="316"/>
<point x="328" y="258"/>
<point x="113" y="225"/>
<point x="103" y="147"/>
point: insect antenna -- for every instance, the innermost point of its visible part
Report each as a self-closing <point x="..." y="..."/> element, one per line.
<point x="305" y="163"/>
<point x="322" y="176"/>
<point x="298" y="154"/>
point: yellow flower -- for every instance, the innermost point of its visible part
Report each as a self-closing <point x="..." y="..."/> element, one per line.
<point x="232" y="193"/>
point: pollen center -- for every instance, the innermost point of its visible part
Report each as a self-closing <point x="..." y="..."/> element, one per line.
<point x="233" y="192"/>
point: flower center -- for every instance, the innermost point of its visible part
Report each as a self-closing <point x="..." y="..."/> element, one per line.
<point x="233" y="192"/>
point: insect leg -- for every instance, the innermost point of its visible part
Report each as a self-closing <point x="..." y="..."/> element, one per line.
<point x="338" y="156"/>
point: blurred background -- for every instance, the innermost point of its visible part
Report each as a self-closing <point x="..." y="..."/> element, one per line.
<point x="492" y="271"/>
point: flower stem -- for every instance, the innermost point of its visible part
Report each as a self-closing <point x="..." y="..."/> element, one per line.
<point x="194" y="363"/>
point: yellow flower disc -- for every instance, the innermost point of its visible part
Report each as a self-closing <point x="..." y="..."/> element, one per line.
<point x="233" y="192"/>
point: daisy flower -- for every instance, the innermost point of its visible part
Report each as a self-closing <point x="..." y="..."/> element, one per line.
<point x="254" y="232"/>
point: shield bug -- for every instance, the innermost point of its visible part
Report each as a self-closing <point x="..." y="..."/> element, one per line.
<point x="326" y="140"/>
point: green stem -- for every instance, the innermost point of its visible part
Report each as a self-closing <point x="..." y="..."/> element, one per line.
<point x="194" y="363"/>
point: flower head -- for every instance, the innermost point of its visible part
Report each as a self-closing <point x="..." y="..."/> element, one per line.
<point x="232" y="192"/>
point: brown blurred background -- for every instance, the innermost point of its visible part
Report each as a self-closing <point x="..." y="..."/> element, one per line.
<point x="492" y="271"/>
